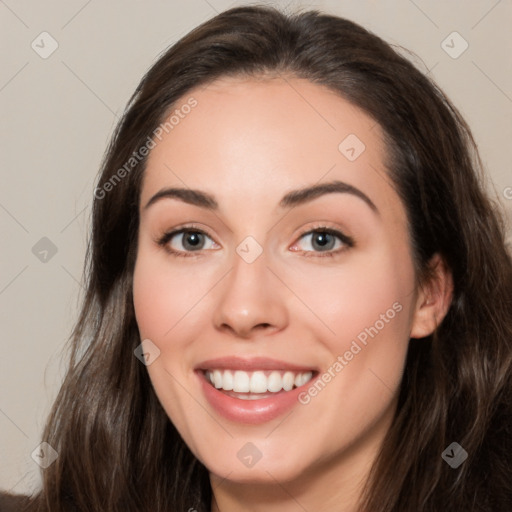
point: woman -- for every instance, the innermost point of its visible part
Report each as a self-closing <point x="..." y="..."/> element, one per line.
<point x="341" y="338"/>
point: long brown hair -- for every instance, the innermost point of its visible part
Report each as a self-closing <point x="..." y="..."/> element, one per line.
<point x="118" y="451"/>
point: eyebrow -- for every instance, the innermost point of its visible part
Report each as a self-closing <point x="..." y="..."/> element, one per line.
<point x="291" y="199"/>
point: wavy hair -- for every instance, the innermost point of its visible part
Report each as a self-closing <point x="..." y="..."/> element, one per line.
<point x="118" y="450"/>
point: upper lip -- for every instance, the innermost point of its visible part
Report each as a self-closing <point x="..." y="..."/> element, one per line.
<point x="251" y="364"/>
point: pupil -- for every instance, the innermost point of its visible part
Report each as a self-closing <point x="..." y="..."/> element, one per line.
<point x="192" y="240"/>
<point x="322" y="240"/>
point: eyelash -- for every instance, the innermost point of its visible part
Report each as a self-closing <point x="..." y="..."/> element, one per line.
<point x="346" y="240"/>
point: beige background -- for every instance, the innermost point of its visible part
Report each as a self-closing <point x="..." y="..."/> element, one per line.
<point x="58" y="113"/>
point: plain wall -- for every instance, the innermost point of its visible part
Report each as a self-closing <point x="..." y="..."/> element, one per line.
<point x="59" y="112"/>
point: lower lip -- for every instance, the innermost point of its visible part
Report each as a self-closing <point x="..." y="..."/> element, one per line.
<point x="250" y="411"/>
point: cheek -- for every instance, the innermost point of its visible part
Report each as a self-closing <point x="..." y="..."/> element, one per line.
<point x="360" y="294"/>
<point x="164" y="310"/>
<point x="367" y="312"/>
<point x="364" y="308"/>
<point x="164" y="297"/>
<point x="153" y="301"/>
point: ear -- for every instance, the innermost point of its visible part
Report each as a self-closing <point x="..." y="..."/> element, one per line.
<point x="434" y="299"/>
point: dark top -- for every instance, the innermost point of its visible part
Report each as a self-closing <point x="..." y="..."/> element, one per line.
<point x="13" y="503"/>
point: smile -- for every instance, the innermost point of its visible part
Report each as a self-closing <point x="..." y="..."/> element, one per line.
<point x="253" y="391"/>
<point x="258" y="384"/>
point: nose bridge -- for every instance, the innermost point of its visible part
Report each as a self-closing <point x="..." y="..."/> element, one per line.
<point x="251" y="296"/>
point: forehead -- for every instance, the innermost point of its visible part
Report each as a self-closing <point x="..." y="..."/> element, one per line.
<point x="252" y="139"/>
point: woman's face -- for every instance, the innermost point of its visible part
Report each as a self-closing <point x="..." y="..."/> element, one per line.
<point x="258" y="294"/>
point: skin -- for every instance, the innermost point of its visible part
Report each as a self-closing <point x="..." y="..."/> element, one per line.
<point x="248" y="142"/>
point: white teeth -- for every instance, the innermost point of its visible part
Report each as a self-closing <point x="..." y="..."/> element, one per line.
<point x="288" y="381"/>
<point x="217" y="379"/>
<point x="241" y="382"/>
<point x="227" y="380"/>
<point x="302" y="378"/>
<point x="258" y="381"/>
<point x="274" y="382"/>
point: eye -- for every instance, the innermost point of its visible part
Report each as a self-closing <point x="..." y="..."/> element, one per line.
<point x="186" y="240"/>
<point x="325" y="240"/>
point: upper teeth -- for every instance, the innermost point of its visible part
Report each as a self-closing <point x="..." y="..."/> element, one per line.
<point x="258" y="381"/>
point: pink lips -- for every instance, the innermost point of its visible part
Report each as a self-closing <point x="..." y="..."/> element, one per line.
<point x="250" y="411"/>
<point x="252" y="364"/>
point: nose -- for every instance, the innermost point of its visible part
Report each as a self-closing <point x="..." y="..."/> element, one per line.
<point x="252" y="300"/>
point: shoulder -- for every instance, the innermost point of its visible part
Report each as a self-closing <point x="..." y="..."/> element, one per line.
<point x="14" y="502"/>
